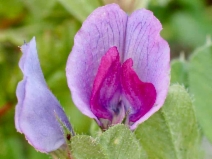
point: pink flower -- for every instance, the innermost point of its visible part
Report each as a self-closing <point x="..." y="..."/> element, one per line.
<point x="118" y="69"/>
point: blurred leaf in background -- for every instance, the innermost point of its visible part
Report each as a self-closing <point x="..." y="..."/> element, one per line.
<point x="200" y="78"/>
<point x="179" y="71"/>
<point x="185" y="23"/>
<point x="80" y="9"/>
<point x="195" y="73"/>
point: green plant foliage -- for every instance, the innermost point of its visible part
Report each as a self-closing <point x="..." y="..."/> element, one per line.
<point x="8" y="62"/>
<point x="200" y="78"/>
<point x="159" y="2"/>
<point x="85" y="147"/>
<point x="179" y="71"/>
<point x="75" y="7"/>
<point x="54" y="24"/>
<point x="10" y="9"/>
<point x="172" y="132"/>
<point x="35" y="5"/>
<point x="192" y="24"/>
<point x="120" y="143"/>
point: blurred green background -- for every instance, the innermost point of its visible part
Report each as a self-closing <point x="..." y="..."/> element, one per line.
<point x="54" y="23"/>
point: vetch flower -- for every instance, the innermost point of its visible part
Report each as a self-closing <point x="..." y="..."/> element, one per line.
<point x="38" y="114"/>
<point x="118" y="69"/>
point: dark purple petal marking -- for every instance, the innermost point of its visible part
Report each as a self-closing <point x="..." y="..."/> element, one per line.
<point x="106" y="88"/>
<point x="140" y="95"/>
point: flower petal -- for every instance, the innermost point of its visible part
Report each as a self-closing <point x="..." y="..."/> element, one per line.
<point x="106" y="91"/>
<point x="140" y="96"/>
<point x="38" y="109"/>
<point x="150" y="55"/>
<point x="103" y="29"/>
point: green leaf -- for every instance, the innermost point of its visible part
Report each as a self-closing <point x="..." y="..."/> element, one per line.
<point x="200" y="78"/>
<point x="172" y="132"/>
<point x="162" y="3"/>
<point x="11" y="147"/>
<point x="36" y="5"/>
<point x="179" y="71"/>
<point x="80" y="8"/>
<point x="10" y="9"/>
<point x="191" y="24"/>
<point x="85" y="147"/>
<point x="129" y="5"/>
<point x="120" y="143"/>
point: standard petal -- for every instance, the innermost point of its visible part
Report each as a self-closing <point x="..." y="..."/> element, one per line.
<point x="38" y="110"/>
<point x="150" y="55"/>
<point x="103" y="29"/>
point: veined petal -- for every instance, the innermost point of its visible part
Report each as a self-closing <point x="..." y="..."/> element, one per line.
<point x="105" y="99"/>
<point x="150" y="55"/>
<point x="103" y="29"/>
<point x="38" y="110"/>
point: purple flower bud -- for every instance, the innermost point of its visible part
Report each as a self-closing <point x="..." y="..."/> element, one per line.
<point x="38" y="112"/>
<point x="119" y="66"/>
